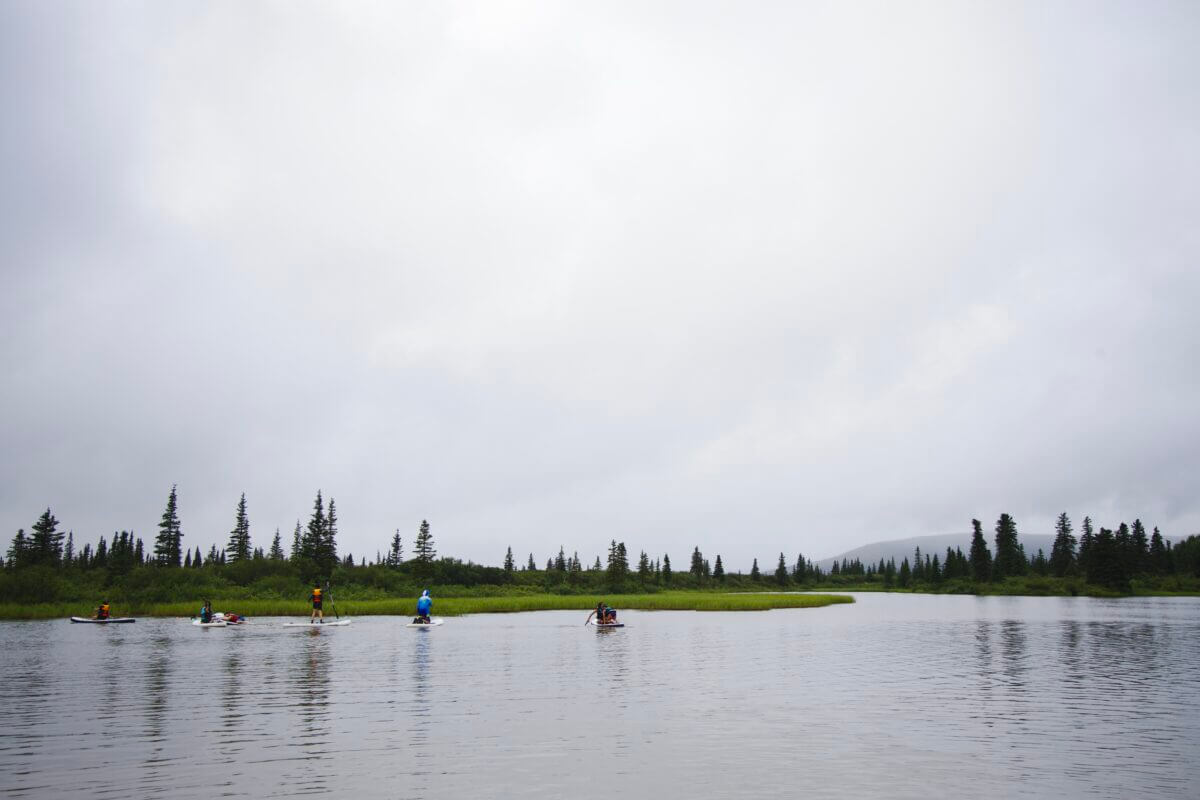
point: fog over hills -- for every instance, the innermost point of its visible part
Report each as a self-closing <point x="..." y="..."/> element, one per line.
<point x="931" y="545"/>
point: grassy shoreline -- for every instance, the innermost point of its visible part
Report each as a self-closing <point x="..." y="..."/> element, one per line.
<point x="451" y="606"/>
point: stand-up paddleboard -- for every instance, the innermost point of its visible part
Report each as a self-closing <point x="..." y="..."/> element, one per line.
<point x="109" y="621"/>
<point x="219" y="616"/>
<point x="607" y="624"/>
<point x="327" y="624"/>
<point x="216" y="623"/>
<point x="433" y="623"/>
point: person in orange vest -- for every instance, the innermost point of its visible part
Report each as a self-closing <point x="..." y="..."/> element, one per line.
<point x="316" y="604"/>
<point x="102" y="611"/>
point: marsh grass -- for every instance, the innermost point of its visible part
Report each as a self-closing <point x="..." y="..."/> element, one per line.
<point x="451" y="606"/>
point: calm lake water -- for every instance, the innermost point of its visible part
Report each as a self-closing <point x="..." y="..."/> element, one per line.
<point x="897" y="696"/>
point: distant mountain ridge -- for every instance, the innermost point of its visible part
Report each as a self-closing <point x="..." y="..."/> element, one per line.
<point x="900" y="549"/>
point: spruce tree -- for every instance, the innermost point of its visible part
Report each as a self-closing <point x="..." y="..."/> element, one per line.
<point x="239" y="538"/>
<point x="643" y="568"/>
<point x="327" y="555"/>
<point x="139" y="553"/>
<point x="1104" y="562"/>
<point x="395" y="556"/>
<point x="168" y="549"/>
<point x="781" y="571"/>
<point x="981" y="559"/>
<point x="666" y="570"/>
<point x="755" y="575"/>
<point x="310" y="544"/>
<point x="69" y="549"/>
<point x="719" y="569"/>
<point x="297" y="544"/>
<point x="508" y="561"/>
<point x="1009" y="559"/>
<point x="276" y="553"/>
<point x="1140" y="549"/>
<point x="905" y="575"/>
<point x="532" y="565"/>
<point x="18" y="550"/>
<point x="1062" y="552"/>
<point x="423" y="548"/>
<point x="187" y="559"/>
<point x="1086" y="539"/>
<point x="1158" y="554"/>
<point x="45" y="542"/>
<point x="560" y="561"/>
<point x="697" y="567"/>
<point x="198" y="560"/>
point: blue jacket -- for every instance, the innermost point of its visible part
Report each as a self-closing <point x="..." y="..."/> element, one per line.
<point x="424" y="605"/>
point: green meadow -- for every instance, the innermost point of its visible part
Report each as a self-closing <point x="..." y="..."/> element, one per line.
<point x="451" y="606"/>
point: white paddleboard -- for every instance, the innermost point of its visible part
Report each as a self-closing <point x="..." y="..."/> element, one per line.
<point x="327" y="624"/>
<point x="607" y="624"/>
<point x="220" y="623"/>
<point x="109" y="621"/>
<point x="433" y="623"/>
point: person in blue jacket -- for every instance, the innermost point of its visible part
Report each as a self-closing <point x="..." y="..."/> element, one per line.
<point x="206" y="612"/>
<point x="424" y="606"/>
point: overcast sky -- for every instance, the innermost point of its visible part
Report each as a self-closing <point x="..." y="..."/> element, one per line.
<point x="753" y="277"/>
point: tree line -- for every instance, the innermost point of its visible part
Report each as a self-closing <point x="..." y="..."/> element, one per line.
<point x="1108" y="558"/>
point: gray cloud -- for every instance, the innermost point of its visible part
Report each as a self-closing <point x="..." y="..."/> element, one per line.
<point x="794" y="277"/>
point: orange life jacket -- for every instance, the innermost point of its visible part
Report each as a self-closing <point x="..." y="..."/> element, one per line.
<point x="104" y="611"/>
<point x="316" y="595"/>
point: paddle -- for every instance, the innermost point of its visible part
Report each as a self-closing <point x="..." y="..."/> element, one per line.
<point x="330" y="596"/>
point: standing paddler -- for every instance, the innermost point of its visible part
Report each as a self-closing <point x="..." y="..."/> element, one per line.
<point x="316" y="604"/>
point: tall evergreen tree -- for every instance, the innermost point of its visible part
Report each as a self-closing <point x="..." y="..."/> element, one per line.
<point x="69" y="549"/>
<point x="139" y="552"/>
<point x="423" y="549"/>
<point x="1139" y="549"/>
<point x="1062" y="552"/>
<point x="168" y="545"/>
<point x="1159" y="563"/>
<point x="560" y="561"/>
<point x="1010" y="561"/>
<point x="1104" y="562"/>
<point x="198" y="560"/>
<point x="45" y="542"/>
<point x="781" y="571"/>
<point x="665" y="572"/>
<point x="1086" y="539"/>
<point x="643" y="568"/>
<point x="310" y="543"/>
<point x="327" y="555"/>
<point x="297" y="545"/>
<point x="755" y="575"/>
<point x="276" y="553"/>
<point x="697" y="567"/>
<point x="395" y="556"/>
<point x="981" y="558"/>
<point x="719" y="569"/>
<point x="238" y="547"/>
<point x="532" y="565"/>
<point x="18" y="550"/>
<point x="509" y="564"/>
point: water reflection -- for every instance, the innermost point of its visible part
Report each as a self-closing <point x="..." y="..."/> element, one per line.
<point x="884" y="699"/>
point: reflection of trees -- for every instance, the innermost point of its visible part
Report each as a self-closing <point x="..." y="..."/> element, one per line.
<point x="1014" y="652"/>
<point x="158" y="679"/>
<point x="231" y="691"/>
<point x="310" y="677"/>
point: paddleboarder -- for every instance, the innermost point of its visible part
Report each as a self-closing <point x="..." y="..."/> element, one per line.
<point x="316" y="605"/>
<point x="102" y="611"/>
<point x="604" y="614"/>
<point x="206" y="612"/>
<point x="424" y="606"/>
